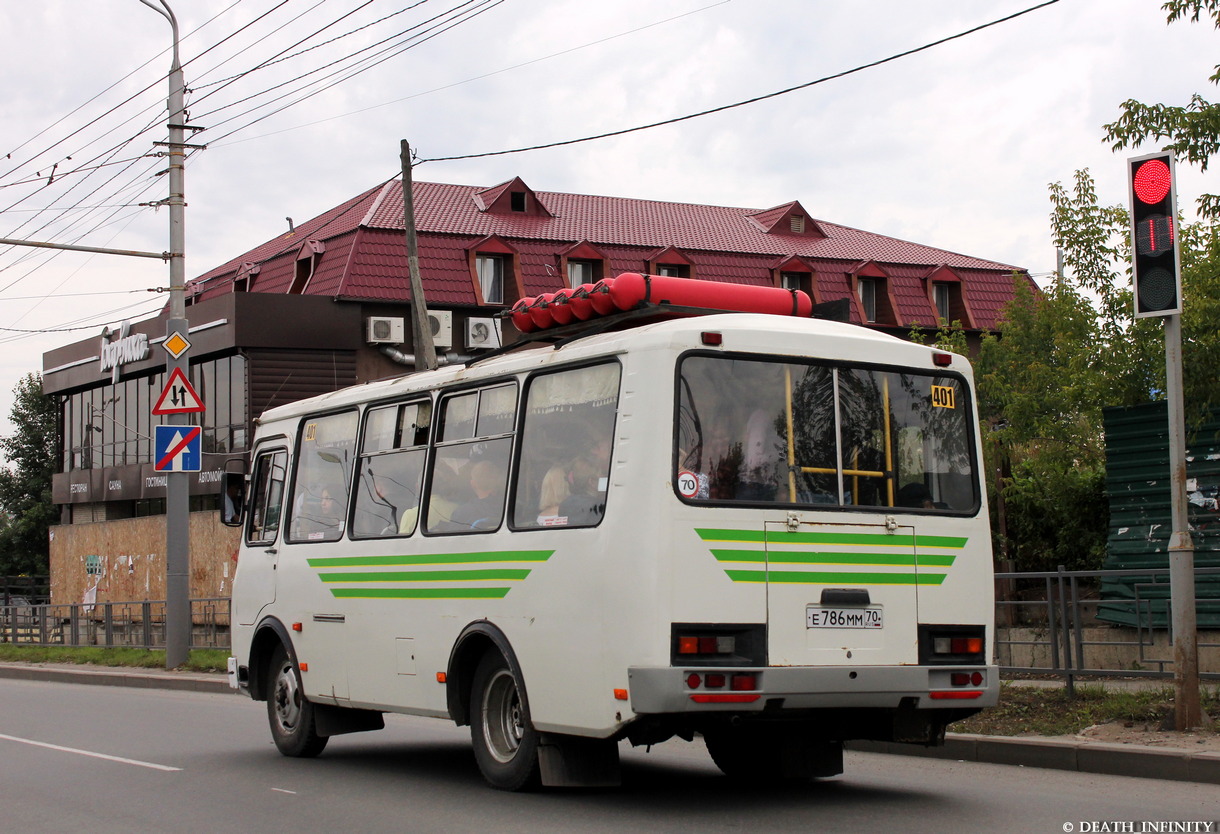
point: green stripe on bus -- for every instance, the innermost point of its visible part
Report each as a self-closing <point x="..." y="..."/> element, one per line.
<point x="835" y="577"/>
<point x="814" y="558"/>
<point x="432" y="559"/>
<point x="715" y="535"/>
<point x="426" y="575"/>
<point x="420" y="593"/>
<point x="860" y="539"/>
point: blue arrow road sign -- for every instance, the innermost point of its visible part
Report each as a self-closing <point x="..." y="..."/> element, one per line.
<point x="177" y="448"/>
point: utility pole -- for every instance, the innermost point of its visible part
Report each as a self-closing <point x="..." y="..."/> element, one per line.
<point x="177" y="488"/>
<point x="425" y="346"/>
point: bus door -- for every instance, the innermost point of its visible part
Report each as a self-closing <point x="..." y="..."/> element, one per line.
<point x="259" y="562"/>
<point x="841" y="594"/>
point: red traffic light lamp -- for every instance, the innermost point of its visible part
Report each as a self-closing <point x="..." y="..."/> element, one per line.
<point x="1154" y="236"/>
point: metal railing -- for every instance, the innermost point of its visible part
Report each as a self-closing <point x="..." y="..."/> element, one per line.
<point x="139" y="624"/>
<point x="1057" y="632"/>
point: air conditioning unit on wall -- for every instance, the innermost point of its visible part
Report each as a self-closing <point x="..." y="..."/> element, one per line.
<point x="384" y="330"/>
<point x="482" y="333"/>
<point x="442" y="327"/>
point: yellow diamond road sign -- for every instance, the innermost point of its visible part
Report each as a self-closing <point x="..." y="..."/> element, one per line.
<point x="176" y="345"/>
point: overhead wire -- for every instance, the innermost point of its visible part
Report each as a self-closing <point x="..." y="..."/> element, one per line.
<point x="481" y="7"/>
<point x="754" y="100"/>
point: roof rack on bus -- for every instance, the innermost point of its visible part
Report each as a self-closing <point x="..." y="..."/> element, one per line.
<point x="631" y="299"/>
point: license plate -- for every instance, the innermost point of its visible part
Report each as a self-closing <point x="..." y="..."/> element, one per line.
<point x="818" y="616"/>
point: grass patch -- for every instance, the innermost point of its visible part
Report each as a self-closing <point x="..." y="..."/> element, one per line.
<point x="1051" y="712"/>
<point x="199" y="660"/>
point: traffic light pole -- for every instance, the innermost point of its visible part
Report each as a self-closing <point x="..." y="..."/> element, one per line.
<point x="1188" y="710"/>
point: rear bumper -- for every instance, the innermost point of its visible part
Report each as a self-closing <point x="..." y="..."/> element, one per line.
<point x="668" y="690"/>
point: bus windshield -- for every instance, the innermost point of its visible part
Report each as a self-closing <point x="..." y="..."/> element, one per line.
<point x="803" y="433"/>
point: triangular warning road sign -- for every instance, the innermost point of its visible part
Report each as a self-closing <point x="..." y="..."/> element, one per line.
<point x="178" y="397"/>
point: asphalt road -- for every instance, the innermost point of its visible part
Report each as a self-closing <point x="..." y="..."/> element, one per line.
<point x="101" y="759"/>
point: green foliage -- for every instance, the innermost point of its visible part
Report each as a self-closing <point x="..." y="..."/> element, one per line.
<point x="1053" y="711"/>
<point x="1065" y="354"/>
<point x="199" y="660"/>
<point x="26" y="510"/>
<point x="1193" y="128"/>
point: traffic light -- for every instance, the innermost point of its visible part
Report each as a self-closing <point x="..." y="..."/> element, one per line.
<point x="1154" y="236"/>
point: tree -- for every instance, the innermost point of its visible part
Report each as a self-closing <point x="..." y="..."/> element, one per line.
<point x="1194" y="128"/>
<point x="25" y="486"/>
<point x="1065" y="354"/>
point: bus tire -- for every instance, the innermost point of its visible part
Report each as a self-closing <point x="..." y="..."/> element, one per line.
<point x="505" y="741"/>
<point x="289" y="712"/>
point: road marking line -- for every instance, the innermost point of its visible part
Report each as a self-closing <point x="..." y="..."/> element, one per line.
<point x="90" y="753"/>
<point x="282" y="790"/>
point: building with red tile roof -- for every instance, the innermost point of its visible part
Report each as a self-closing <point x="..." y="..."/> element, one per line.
<point x="327" y="304"/>
<point x="543" y="241"/>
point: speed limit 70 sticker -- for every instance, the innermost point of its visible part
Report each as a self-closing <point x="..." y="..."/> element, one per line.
<point x="688" y="484"/>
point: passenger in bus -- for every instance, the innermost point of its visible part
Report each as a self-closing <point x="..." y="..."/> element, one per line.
<point x="448" y="491"/>
<point x="587" y="502"/>
<point x="757" y="478"/>
<point x="320" y="518"/>
<point x="554" y="490"/>
<point x="915" y="495"/>
<point x="484" y="511"/>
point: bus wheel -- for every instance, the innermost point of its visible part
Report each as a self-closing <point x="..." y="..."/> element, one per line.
<point x="756" y="756"/>
<point x="290" y="714"/>
<point x="505" y="742"/>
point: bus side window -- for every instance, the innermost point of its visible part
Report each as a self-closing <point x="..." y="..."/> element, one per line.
<point x="566" y="444"/>
<point x="391" y="468"/>
<point x="268" y="494"/>
<point x="470" y="466"/>
<point x="323" y="475"/>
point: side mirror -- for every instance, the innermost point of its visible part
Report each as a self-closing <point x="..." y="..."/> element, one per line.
<point x="232" y="498"/>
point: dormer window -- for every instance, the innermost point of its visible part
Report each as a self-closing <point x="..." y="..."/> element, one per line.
<point x="583" y="263"/>
<point x="495" y="271"/>
<point x="944" y="288"/>
<point x="490" y="269"/>
<point x="867" y="290"/>
<point x="673" y="270"/>
<point x="796" y="224"/>
<point x="941" y="297"/>
<point x="583" y="272"/>
<point x="517" y="201"/>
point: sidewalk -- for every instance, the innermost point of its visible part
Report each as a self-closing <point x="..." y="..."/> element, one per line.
<point x="1082" y="755"/>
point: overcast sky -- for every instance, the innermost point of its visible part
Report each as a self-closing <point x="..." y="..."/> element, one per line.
<point x="952" y="147"/>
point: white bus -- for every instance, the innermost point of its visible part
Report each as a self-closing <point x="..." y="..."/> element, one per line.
<point x="767" y="531"/>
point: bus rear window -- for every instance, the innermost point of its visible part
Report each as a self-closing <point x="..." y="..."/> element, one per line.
<point x="808" y="434"/>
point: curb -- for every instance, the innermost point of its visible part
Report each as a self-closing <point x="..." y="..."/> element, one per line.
<point x="98" y="676"/>
<point x="1064" y="754"/>
<point x="1054" y="754"/>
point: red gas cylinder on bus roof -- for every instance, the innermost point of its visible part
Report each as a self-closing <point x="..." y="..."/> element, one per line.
<point x="599" y="297"/>
<point x="561" y="311"/>
<point x="540" y="311"/>
<point x="631" y="288"/>
<point x="521" y="315"/>
<point x="579" y="303"/>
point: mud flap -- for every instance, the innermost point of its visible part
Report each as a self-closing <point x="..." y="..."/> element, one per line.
<point x="575" y="762"/>
<point x="912" y="726"/>
<point x="335" y="721"/>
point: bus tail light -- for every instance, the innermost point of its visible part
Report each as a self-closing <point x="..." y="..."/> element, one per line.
<point x="744" y="683"/>
<point x="952" y="644"/>
<point x="717" y="645"/>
